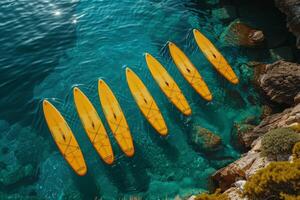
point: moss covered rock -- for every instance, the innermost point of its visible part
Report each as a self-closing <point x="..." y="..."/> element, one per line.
<point x="240" y="34"/>
<point x="205" y="139"/>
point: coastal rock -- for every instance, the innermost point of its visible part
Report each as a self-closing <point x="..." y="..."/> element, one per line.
<point x="279" y="81"/>
<point x="284" y="119"/>
<point x="240" y="34"/>
<point x="205" y="139"/>
<point x="240" y="184"/>
<point x="292" y="10"/>
<point x="266" y="111"/>
<point x="297" y="98"/>
<point x="256" y="146"/>
<point x="241" y="129"/>
<point x="226" y="13"/>
<point x="259" y="163"/>
<point x="225" y="177"/>
<point x="234" y="193"/>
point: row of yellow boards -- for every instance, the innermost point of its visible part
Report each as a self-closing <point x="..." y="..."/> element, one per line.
<point x="113" y="113"/>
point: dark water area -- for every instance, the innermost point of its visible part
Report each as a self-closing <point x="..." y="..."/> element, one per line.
<point x="48" y="47"/>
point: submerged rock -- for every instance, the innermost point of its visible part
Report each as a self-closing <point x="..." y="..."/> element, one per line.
<point x="239" y="132"/>
<point x="240" y="34"/>
<point x="279" y="81"/>
<point x="205" y="139"/>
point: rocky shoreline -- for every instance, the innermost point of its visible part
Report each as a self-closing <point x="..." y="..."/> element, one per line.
<point x="279" y="84"/>
<point x="231" y="178"/>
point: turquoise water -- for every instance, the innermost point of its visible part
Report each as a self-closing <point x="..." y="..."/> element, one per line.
<point x="51" y="46"/>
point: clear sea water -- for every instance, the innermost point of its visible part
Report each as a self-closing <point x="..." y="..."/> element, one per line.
<point x="50" y="46"/>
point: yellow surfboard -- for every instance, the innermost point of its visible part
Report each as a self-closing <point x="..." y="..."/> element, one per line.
<point x="93" y="126"/>
<point x="215" y="57"/>
<point x="189" y="71"/>
<point x="146" y="103"/>
<point x="115" y="118"/>
<point x="168" y="85"/>
<point x="64" y="138"/>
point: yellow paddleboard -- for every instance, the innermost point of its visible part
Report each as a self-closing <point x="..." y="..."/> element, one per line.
<point x="64" y="138"/>
<point x="93" y="126"/>
<point x="215" y="57"/>
<point x="189" y="71"/>
<point x="168" y="85"/>
<point x="146" y="103"/>
<point x="115" y="118"/>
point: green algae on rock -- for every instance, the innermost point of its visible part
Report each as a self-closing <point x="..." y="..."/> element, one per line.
<point x="205" y="139"/>
<point x="240" y="34"/>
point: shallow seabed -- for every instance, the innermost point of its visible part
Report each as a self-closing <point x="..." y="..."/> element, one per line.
<point x="62" y="44"/>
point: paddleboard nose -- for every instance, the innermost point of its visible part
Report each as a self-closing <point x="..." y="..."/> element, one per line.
<point x="209" y="97"/>
<point x="75" y="89"/>
<point x="128" y="69"/>
<point x="187" y="112"/>
<point x="45" y="103"/>
<point x="129" y="152"/>
<point x="109" y="160"/>
<point x="170" y="43"/>
<point x="164" y="131"/>
<point x="82" y="171"/>
<point x="195" y="31"/>
<point x="235" y="81"/>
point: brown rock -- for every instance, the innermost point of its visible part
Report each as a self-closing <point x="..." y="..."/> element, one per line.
<point x="259" y="163"/>
<point x="297" y="99"/>
<point x="205" y="139"/>
<point x="284" y="119"/>
<point x="240" y="34"/>
<point x="226" y="176"/>
<point x="256" y="146"/>
<point x="279" y="81"/>
<point x="241" y="131"/>
<point x="266" y="111"/>
<point x="234" y="193"/>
